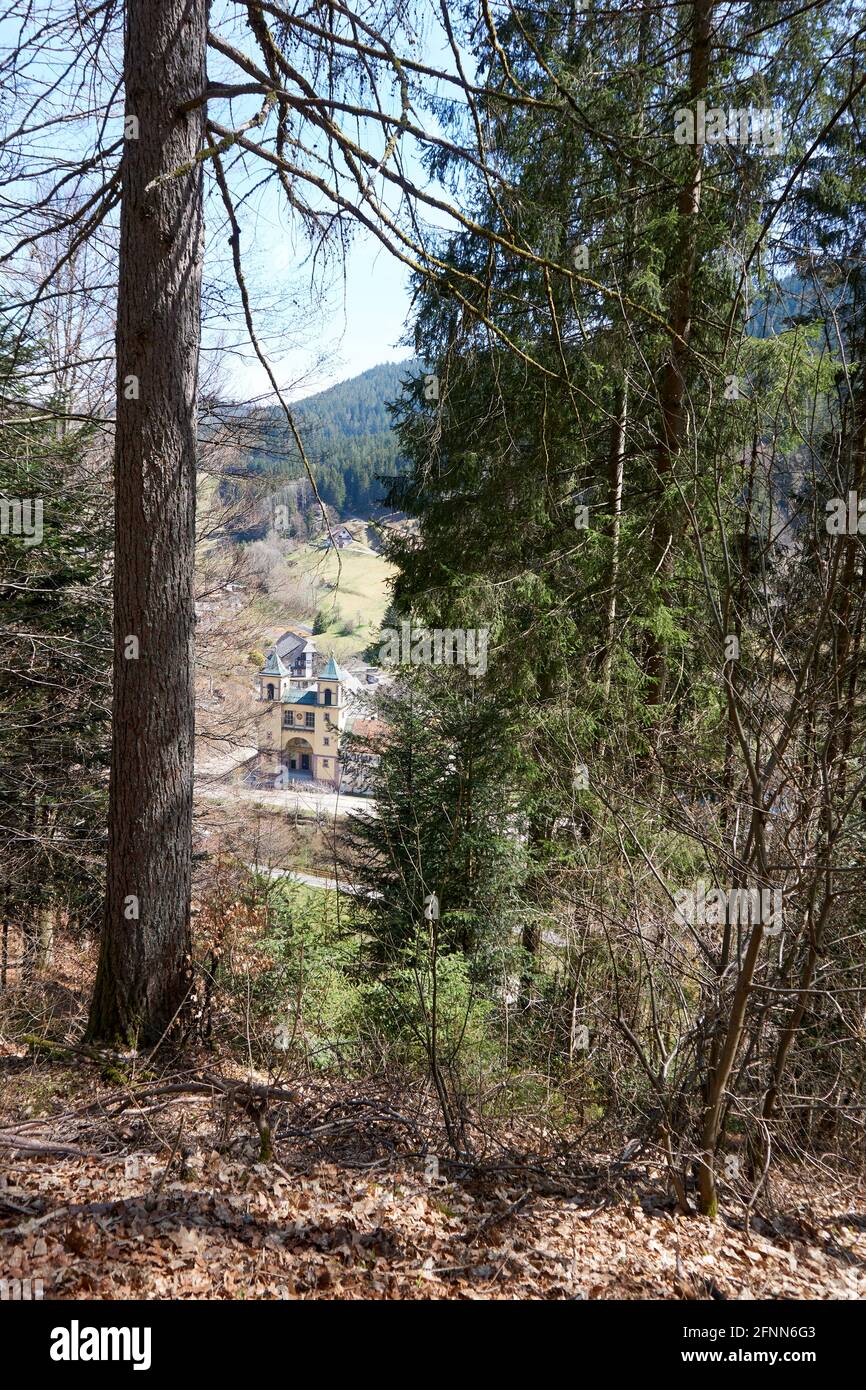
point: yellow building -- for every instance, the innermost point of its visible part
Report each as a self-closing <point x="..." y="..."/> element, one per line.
<point x="301" y="719"/>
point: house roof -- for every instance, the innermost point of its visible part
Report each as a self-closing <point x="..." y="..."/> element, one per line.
<point x="292" y="643"/>
<point x="373" y="730"/>
<point x="304" y="697"/>
<point x="369" y="729"/>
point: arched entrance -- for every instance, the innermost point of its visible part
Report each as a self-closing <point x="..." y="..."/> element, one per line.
<point x="297" y="757"/>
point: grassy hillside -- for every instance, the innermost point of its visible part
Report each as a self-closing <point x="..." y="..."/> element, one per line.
<point x="348" y="587"/>
<point x="359" y="594"/>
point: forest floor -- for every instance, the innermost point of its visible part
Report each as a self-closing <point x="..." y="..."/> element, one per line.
<point x="163" y="1196"/>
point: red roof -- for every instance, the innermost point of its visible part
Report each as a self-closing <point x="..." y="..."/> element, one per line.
<point x="371" y="729"/>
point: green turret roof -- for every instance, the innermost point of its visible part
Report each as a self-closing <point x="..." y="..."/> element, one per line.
<point x="332" y="672"/>
<point x="274" y="666"/>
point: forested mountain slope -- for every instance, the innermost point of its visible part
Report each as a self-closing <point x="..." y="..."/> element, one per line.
<point x="347" y="435"/>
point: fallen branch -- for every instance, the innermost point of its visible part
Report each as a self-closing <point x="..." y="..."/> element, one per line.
<point x="40" y="1146"/>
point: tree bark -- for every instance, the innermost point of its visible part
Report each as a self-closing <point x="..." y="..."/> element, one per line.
<point x="142" y="978"/>
<point x="614" y="505"/>
<point x="538" y="835"/>
<point x="709" y="1202"/>
<point x="717" y="1080"/>
<point x="616" y="457"/>
<point x="673" y="385"/>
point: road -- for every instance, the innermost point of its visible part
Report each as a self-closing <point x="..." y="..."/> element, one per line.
<point x="313" y="881"/>
<point x="291" y="799"/>
<point x="354" y="890"/>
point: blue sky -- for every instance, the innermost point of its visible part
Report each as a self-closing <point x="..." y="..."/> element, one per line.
<point x="351" y="319"/>
<point x="361" y="326"/>
<point x="363" y="317"/>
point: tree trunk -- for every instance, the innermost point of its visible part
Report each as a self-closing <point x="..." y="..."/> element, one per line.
<point x="39" y="942"/>
<point x="142" y="978"/>
<point x="538" y="836"/>
<point x="616" y="457"/>
<point x="717" y="1080"/>
<point x="709" y="1202"/>
<point x="614" y="506"/>
<point x="673" y="386"/>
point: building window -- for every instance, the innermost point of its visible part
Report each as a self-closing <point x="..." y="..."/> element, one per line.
<point x="327" y="697"/>
<point x="288" y="718"/>
<point x="327" y="743"/>
<point x="325" y="762"/>
<point x="270" y="692"/>
<point x="310" y="720"/>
